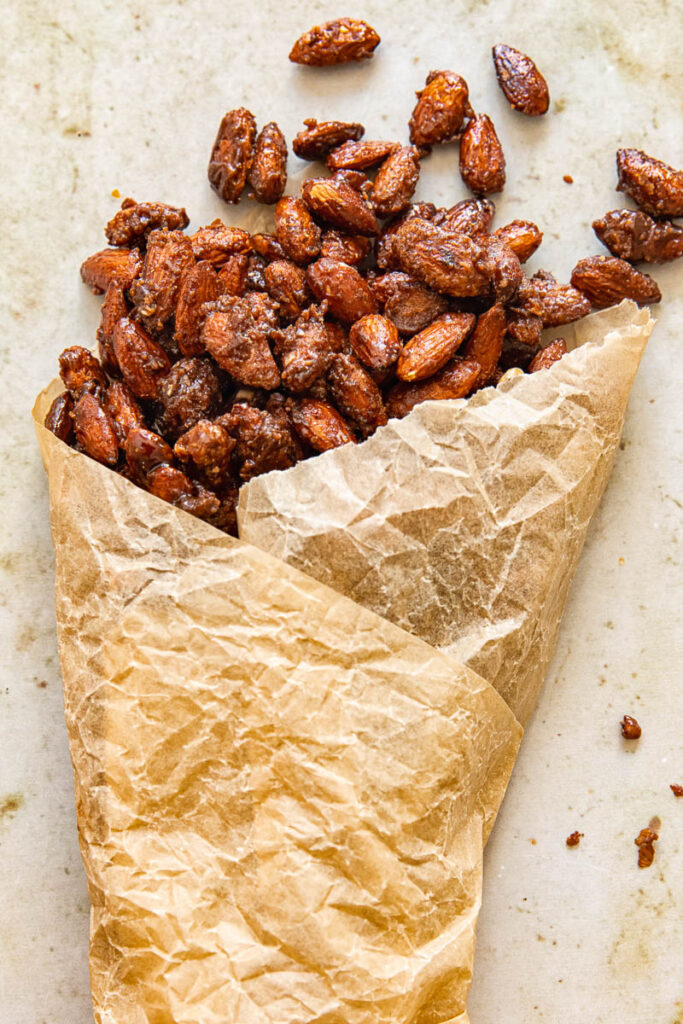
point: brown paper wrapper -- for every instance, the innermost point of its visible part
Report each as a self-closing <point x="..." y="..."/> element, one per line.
<point x="463" y="523"/>
<point x="282" y="796"/>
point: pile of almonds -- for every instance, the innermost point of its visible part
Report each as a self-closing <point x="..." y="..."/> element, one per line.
<point x="223" y="355"/>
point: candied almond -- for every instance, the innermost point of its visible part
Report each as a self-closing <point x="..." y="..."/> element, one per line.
<point x="232" y="154"/>
<point x="606" y="280"/>
<point x="374" y="340"/>
<point x="427" y="352"/>
<point x="522" y="236"/>
<point x="306" y="349"/>
<point x="198" y="284"/>
<point x="134" y="221"/>
<point x="318" y="138"/>
<point x="441" y="109"/>
<point x="264" y="437"/>
<point x="408" y="303"/>
<point x="268" y="247"/>
<point x="296" y="231"/>
<point x="268" y="171"/>
<point x="455" y="380"/>
<point x="556" y="304"/>
<point x="358" y="156"/>
<point x="347" y="294"/>
<point x="634" y="236"/>
<point x="446" y="262"/>
<point x="485" y="344"/>
<point x="58" y="418"/>
<point x="548" y="355"/>
<point x="656" y="187"/>
<point x="482" y="163"/>
<point x="524" y="86"/>
<point x="356" y="394"/>
<point x="113" y="308"/>
<point x="237" y="338"/>
<point x="155" y="291"/>
<point x="189" y="393"/>
<point x="233" y="277"/>
<point x="142" y="360"/>
<point x="470" y="216"/>
<point x="340" y="205"/>
<point x="123" y="409"/>
<point x="351" y="249"/>
<point x="111" y="265"/>
<point x="395" y="182"/>
<point x="319" y="425"/>
<point x="217" y="242"/>
<point x="209" y="446"/>
<point x="286" y="285"/>
<point x="94" y="430"/>
<point x="335" y="42"/>
<point x="81" y="372"/>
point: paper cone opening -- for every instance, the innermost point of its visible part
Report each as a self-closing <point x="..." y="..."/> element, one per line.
<point x="463" y="523"/>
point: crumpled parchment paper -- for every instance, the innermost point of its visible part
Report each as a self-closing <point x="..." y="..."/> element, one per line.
<point x="463" y="523"/>
<point x="283" y="797"/>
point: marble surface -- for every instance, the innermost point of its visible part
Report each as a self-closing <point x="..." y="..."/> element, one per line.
<point x="104" y="96"/>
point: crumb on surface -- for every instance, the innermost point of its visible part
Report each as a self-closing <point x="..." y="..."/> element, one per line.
<point x="630" y="728"/>
<point x="574" y="839"/>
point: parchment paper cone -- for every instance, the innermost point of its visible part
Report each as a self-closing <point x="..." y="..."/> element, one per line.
<point x="463" y="523"/>
<point x="282" y="798"/>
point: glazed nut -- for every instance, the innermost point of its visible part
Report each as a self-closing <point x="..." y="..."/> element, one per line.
<point x="482" y="163"/>
<point x="374" y="340"/>
<point x="121" y="266"/>
<point x="656" y="187"/>
<point x="469" y="216"/>
<point x="340" y="205"/>
<point x="319" y="425"/>
<point x="143" y="361"/>
<point x="555" y="304"/>
<point x="268" y="171"/>
<point x="335" y="42"/>
<point x="232" y="154"/>
<point x="548" y="355"/>
<point x="634" y="236"/>
<point x="395" y="182"/>
<point x="455" y="380"/>
<point x="347" y="293"/>
<point x="427" y="352"/>
<point x="58" y="418"/>
<point x="318" y="138"/>
<point x="522" y="236"/>
<point x="296" y="231"/>
<point x="524" y="86"/>
<point x="134" y="222"/>
<point x="94" y="430"/>
<point x="358" y="156"/>
<point x="485" y="344"/>
<point x="441" y="109"/>
<point x="606" y="280"/>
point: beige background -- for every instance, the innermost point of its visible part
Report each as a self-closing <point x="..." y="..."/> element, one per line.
<point x="127" y="96"/>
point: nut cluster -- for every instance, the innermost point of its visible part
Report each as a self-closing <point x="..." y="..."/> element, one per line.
<point x="225" y="354"/>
